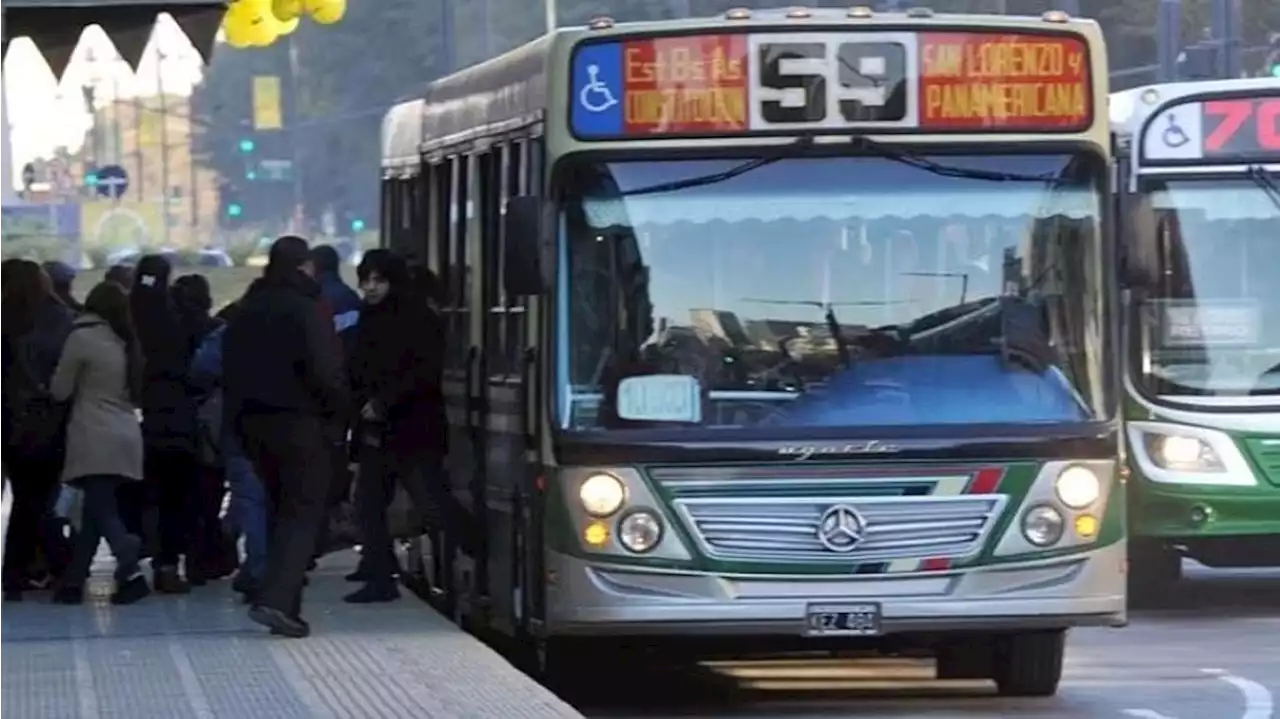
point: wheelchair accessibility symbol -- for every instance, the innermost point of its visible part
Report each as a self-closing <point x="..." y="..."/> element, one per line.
<point x="1174" y="136"/>
<point x="595" y="95"/>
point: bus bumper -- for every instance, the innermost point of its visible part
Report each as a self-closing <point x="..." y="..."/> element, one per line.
<point x="594" y="598"/>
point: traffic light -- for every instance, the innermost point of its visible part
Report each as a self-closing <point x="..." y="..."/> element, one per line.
<point x="1272" y="66"/>
<point x="232" y="204"/>
<point x="357" y="225"/>
<point x="246" y="145"/>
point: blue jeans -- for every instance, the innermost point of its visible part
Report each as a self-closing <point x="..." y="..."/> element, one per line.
<point x="248" y="509"/>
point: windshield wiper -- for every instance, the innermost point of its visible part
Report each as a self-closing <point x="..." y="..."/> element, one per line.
<point x="715" y="177"/>
<point x="906" y="157"/>
<point x="1262" y="178"/>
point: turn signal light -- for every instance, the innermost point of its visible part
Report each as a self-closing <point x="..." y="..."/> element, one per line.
<point x="1086" y="526"/>
<point x="596" y="534"/>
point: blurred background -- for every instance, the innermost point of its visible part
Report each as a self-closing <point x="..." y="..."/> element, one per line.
<point x="207" y="161"/>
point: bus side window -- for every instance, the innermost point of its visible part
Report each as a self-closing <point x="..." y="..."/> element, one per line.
<point x="517" y="183"/>
<point x="437" y="221"/>
<point x="387" y="226"/>
<point x="488" y="206"/>
<point x="458" y="326"/>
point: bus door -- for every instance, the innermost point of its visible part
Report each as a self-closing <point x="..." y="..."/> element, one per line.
<point x="507" y="367"/>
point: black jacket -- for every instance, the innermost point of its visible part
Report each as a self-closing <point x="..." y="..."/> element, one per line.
<point x="280" y="352"/>
<point x="397" y="362"/>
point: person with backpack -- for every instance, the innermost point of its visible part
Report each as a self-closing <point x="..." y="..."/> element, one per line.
<point x="100" y="374"/>
<point x="36" y="325"/>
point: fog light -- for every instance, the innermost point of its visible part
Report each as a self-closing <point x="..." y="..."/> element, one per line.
<point x="1042" y="525"/>
<point x="1086" y="526"/>
<point x="1201" y="514"/>
<point x="596" y="534"/>
<point x="640" y="532"/>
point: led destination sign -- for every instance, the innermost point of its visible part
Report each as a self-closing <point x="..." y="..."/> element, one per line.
<point x="1234" y="129"/>
<point x="1006" y="82"/>
<point x="742" y="83"/>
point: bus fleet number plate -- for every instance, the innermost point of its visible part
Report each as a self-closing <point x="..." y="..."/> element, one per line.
<point x="843" y="620"/>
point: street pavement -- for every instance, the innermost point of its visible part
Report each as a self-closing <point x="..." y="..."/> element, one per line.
<point x="1213" y="653"/>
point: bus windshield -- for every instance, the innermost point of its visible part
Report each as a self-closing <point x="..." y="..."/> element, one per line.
<point x="833" y="291"/>
<point x="1209" y="316"/>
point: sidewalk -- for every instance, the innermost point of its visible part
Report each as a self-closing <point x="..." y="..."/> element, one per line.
<point x="200" y="657"/>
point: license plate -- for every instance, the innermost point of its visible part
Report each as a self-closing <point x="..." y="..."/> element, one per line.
<point x="843" y="620"/>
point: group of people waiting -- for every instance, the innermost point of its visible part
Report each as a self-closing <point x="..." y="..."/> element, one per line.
<point x="153" y="409"/>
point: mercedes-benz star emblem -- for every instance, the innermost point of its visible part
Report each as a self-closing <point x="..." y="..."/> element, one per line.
<point x="841" y="528"/>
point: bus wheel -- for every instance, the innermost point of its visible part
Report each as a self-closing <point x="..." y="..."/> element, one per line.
<point x="1029" y="664"/>
<point x="1153" y="567"/>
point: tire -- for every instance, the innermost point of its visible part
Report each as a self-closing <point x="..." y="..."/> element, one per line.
<point x="1154" y="568"/>
<point x="1029" y="664"/>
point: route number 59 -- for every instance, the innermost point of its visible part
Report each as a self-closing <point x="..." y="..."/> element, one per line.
<point x="817" y="83"/>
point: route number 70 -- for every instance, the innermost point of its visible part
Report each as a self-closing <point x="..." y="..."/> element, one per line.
<point x="1235" y="114"/>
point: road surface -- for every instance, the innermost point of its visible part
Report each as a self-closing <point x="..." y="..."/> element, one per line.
<point x="1214" y="654"/>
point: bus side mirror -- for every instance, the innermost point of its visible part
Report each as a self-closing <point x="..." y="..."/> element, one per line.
<point x="522" y="234"/>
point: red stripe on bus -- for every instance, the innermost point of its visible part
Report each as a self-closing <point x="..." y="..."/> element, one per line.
<point x="985" y="481"/>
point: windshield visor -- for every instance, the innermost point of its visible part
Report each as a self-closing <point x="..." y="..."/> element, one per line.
<point x="830" y="292"/>
<point x="1208" y="322"/>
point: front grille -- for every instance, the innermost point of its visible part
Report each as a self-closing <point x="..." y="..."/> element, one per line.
<point x="785" y="529"/>
<point x="1266" y="453"/>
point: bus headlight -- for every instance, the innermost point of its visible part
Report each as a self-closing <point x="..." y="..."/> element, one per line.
<point x="602" y="495"/>
<point x="1042" y="525"/>
<point x="1183" y="452"/>
<point x="640" y="531"/>
<point x="1078" y="487"/>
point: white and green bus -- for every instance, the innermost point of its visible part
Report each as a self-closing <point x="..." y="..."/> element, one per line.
<point x="1200" y="260"/>
<point x="777" y="330"/>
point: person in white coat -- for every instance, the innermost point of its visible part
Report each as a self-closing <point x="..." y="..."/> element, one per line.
<point x="100" y="374"/>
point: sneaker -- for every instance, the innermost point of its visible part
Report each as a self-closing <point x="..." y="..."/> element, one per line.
<point x="373" y="594"/>
<point x="133" y="590"/>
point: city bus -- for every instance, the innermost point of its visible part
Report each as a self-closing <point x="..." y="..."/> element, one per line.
<point x="1200" y="218"/>
<point x="775" y="331"/>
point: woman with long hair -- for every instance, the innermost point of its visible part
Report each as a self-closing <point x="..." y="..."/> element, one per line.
<point x="100" y="373"/>
<point x="169" y="424"/>
<point x="35" y="326"/>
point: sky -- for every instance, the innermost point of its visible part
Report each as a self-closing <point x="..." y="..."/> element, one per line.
<point x="44" y="114"/>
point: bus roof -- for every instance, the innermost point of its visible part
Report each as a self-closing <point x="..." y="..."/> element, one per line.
<point x="510" y="90"/>
<point x="1129" y="108"/>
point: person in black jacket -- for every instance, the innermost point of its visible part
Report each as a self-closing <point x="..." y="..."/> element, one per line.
<point x="169" y="425"/>
<point x="35" y="327"/>
<point x="283" y="383"/>
<point x="396" y="371"/>
<point x="212" y="556"/>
